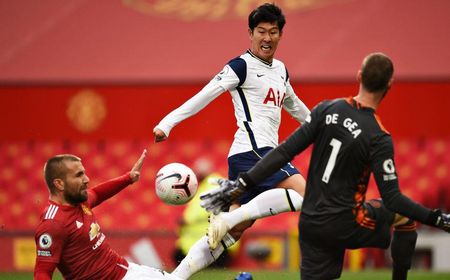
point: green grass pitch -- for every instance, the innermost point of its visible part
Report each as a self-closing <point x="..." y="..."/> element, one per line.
<point x="275" y="275"/>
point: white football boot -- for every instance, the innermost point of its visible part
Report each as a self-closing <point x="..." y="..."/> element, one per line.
<point x="216" y="230"/>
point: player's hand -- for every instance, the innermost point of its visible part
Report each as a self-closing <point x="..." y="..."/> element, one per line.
<point x="220" y="199"/>
<point x="135" y="172"/>
<point x="159" y="135"/>
<point x="443" y="220"/>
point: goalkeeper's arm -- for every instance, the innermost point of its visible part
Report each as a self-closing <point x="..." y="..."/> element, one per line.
<point x="277" y="158"/>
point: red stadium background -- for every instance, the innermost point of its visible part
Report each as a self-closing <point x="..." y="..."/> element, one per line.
<point x="72" y="80"/>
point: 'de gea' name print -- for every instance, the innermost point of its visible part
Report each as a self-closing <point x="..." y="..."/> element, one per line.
<point x="348" y="123"/>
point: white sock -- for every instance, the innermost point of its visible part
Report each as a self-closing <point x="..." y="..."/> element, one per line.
<point x="268" y="203"/>
<point x="200" y="256"/>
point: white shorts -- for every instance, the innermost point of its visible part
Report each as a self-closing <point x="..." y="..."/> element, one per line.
<point x="142" y="272"/>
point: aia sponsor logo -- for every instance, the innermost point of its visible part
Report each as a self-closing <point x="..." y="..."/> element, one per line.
<point x="274" y="98"/>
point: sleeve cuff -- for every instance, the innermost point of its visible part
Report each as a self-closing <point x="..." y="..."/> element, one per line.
<point x="432" y="219"/>
<point x="165" y="128"/>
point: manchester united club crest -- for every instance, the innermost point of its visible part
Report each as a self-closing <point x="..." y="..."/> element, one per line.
<point x="87" y="110"/>
<point x="95" y="231"/>
<point x="86" y="210"/>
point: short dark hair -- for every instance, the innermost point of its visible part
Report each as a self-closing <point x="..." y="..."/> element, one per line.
<point x="266" y="13"/>
<point x="376" y="72"/>
<point x="55" y="169"/>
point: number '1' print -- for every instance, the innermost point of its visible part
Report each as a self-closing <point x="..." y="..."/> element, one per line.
<point x="336" y="146"/>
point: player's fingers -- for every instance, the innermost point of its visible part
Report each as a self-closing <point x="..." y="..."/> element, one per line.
<point x="204" y="196"/>
<point x="208" y="204"/>
<point x="214" y="181"/>
<point x="138" y="165"/>
<point x="210" y="193"/>
<point x="212" y="205"/>
<point x="203" y="204"/>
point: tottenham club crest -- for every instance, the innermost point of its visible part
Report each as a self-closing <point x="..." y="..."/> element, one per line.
<point x="45" y="241"/>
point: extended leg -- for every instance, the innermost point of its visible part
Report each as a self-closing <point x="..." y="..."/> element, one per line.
<point x="402" y="249"/>
<point x="200" y="256"/>
<point x="268" y="203"/>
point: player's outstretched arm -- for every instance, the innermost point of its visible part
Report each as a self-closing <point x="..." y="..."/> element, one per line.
<point x="135" y="172"/>
<point x="105" y="190"/>
<point x="189" y="108"/>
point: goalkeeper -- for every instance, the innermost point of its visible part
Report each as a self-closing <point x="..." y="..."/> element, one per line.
<point x="349" y="143"/>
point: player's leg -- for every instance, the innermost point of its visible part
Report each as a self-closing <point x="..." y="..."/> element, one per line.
<point x="142" y="272"/>
<point x="200" y="256"/>
<point x="322" y="244"/>
<point x="279" y="193"/>
<point x="286" y="197"/>
<point x="295" y="182"/>
<point x="268" y="203"/>
<point x="402" y="246"/>
<point x="319" y="261"/>
<point x="240" y="218"/>
<point x="403" y="239"/>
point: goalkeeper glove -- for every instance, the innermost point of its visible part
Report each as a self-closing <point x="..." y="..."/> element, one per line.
<point x="440" y="220"/>
<point x="220" y="199"/>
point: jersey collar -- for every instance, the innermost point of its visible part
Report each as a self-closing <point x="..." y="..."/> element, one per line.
<point x="350" y="100"/>
<point x="261" y="60"/>
<point x="62" y="206"/>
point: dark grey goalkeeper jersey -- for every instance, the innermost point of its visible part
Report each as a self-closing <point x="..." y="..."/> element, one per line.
<point x="349" y="143"/>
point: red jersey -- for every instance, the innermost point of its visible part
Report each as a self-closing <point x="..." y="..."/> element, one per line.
<point x="71" y="237"/>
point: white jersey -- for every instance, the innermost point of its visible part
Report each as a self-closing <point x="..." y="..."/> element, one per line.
<point x="259" y="90"/>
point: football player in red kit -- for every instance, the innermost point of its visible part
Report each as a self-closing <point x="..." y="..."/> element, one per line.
<point x="69" y="236"/>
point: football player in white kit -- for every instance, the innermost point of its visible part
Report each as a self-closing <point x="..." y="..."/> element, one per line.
<point x="259" y="86"/>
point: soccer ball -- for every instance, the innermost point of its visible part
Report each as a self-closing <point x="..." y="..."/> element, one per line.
<point x="176" y="184"/>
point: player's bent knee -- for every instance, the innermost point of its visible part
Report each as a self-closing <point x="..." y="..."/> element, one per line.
<point x="295" y="182"/>
<point x="237" y="231"/>
<point x="400" y="220"/>
<point x="295" y="198"/>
